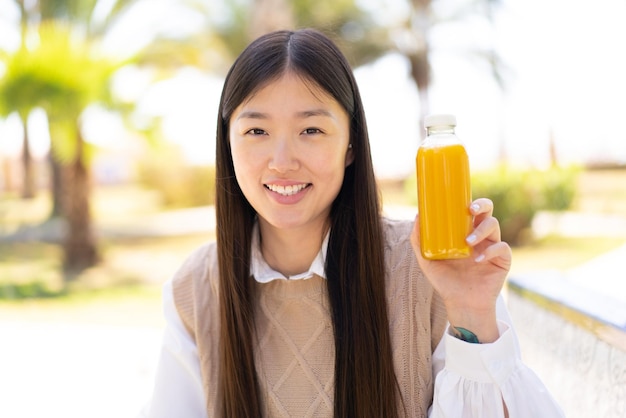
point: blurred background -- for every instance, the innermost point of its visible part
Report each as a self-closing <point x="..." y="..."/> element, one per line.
<point x="107" y="146"/>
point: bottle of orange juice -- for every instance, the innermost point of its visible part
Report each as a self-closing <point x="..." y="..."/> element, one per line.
<point x="444" y="191"/>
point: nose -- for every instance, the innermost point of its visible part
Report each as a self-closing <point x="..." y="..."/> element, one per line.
<point x="284" y="156"/>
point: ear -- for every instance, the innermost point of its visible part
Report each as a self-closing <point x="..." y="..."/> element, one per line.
<point x="349" y="155"/>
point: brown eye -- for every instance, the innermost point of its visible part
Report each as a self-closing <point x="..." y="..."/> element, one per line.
<point x="311" y="131"/>
<point x="256" y="131"/>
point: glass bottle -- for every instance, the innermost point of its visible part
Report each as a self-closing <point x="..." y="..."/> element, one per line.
<point x="444" y="191"/>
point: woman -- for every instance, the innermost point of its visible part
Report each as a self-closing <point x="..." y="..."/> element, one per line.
<point x="312" y="304"/>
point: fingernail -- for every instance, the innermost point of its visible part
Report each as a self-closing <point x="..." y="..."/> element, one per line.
<point x="479" y="258"/>
<point x="471" y="238"/>
<point x="474" y="207"/>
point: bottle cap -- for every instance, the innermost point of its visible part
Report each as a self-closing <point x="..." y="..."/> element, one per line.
<point x="439" y="120"/>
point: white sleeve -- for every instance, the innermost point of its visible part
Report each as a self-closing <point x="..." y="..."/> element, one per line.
<point x="178" y="384"/>
<point x="473" y="380"/>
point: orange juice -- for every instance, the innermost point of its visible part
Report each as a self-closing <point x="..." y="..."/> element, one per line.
<point x="444" y="196"/>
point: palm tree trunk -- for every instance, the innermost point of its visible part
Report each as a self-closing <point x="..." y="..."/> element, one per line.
<point x="28" y="177"/>
<point x="80" y="248"/>
<point x="420" y="72"/>
<point x="28" y="169"/>
<point x="56" y="186"/>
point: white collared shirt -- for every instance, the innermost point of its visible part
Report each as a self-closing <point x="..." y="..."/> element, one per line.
<point x="263" y="273"/>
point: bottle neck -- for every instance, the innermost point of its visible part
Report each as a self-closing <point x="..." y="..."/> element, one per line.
<point x="434" y="130"/>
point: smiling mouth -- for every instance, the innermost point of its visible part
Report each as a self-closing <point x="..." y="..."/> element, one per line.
<point x="287" y="190"/>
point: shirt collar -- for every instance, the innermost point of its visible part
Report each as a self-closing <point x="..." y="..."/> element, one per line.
<point x="263" y="273"/>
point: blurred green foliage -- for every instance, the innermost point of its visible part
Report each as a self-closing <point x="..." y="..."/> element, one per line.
<point x="62" y="75"/>
<point x="559" y="188"/>
<point x="180" y="185"/>
<point x="29" y="290"/>
<point x="518" y="195"/>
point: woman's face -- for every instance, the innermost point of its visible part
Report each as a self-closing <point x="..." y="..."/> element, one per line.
<point x="289" y="145"/>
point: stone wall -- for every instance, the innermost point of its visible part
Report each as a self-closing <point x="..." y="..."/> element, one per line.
<point x="580" y="358"/>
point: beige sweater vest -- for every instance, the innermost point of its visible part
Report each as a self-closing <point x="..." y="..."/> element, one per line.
<point x="295" y="350"/>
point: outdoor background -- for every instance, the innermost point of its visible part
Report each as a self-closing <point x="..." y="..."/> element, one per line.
<point x="107" y="137"/>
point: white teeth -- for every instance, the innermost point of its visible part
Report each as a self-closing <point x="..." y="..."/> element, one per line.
<point x="286" y="190"/>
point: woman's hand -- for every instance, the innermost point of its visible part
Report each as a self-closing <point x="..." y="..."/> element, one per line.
<point x="470" y="286"/>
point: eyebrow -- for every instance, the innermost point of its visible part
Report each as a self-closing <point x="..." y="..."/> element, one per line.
<point x="251" y="114"/>
<point x="314" y="112"/>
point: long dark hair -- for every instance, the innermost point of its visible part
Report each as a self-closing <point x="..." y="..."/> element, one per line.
<point x="365" y="384"/>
